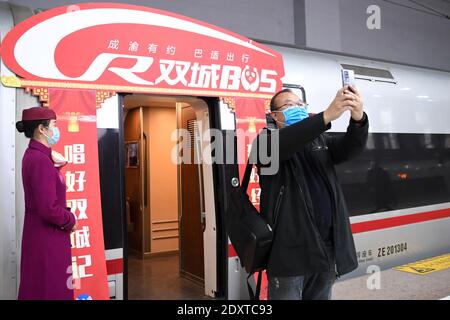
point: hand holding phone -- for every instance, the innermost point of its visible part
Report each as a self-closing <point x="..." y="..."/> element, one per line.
<point x="355" y="104"/>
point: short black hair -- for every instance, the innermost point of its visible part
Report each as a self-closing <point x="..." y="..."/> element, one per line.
<point x="272" y="101"/>
<point x="28" y="127"/>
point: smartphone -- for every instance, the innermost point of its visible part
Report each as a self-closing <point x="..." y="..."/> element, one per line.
<point x="348" y="78"/>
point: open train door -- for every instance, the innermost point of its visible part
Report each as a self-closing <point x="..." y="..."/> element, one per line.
<point x="192" y="213"/>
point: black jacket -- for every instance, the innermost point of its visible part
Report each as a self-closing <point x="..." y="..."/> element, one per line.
<point x="298" y="248"/>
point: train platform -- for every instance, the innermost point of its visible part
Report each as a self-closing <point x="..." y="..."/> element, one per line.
<point x="422" y="282"/>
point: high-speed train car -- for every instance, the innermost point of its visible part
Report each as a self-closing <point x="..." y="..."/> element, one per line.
<point x="397" y="190"/>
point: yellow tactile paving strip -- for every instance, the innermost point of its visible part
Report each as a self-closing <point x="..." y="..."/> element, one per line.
<point x="427" y="266"/>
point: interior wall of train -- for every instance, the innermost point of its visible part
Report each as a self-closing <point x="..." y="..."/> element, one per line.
<point x="170" y="206"/>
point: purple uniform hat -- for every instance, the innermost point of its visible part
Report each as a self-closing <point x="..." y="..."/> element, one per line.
<point x="38" y="113"/>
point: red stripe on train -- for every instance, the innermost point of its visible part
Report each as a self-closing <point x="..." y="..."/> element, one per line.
<point x="373" y="225"/>
<point x="114" y="266"/>
<point x="399" y="221"/>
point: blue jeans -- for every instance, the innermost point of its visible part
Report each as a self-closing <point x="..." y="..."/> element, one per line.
<point x="308" y="287"/>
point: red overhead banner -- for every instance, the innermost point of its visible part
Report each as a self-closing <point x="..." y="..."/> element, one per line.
<point x="121" y="47"/>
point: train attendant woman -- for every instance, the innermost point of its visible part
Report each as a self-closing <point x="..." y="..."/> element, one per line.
<point x="45" y="271"/>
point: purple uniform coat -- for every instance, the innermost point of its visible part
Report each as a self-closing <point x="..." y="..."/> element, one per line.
<point x="46" y="253"/>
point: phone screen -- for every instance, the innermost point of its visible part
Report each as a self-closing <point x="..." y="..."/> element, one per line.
<point x="348" y="77"/>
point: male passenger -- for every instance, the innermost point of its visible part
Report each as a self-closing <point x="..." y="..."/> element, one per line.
<point x="303" y="200"/>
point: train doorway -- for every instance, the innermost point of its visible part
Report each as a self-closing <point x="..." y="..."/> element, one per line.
<point x="166" y="199"/>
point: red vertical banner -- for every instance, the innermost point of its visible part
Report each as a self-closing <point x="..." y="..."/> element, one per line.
<point x="76" y="111"/>
<point x="250" y="119"/>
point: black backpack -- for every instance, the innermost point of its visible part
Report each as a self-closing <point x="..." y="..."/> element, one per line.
<point x="250" y="235"/>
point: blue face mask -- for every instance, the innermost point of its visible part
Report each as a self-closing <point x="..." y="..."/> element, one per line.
<point x="294" y="114"/>
<point x="54" y="138"/>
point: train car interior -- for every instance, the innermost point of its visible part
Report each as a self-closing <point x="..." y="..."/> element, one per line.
<point x="165" y="201"/>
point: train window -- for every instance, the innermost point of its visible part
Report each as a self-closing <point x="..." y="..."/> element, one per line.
<point x="398" y="171"/>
